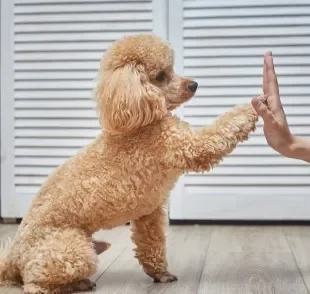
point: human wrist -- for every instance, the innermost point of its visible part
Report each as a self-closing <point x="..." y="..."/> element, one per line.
<point x="299" y="148"/>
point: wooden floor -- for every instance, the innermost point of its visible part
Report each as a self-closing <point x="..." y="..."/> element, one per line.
<point x="207" y="259"/>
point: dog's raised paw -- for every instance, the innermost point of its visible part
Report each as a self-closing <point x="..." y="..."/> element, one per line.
<point x="165" y="278"/>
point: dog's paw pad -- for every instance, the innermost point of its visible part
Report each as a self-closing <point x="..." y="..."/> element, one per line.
<point x="165" y="278"/>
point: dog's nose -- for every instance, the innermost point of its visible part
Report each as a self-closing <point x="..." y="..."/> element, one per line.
<point x="193" y="86"/>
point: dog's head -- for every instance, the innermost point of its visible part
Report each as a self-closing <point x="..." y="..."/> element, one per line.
<point x="137" y="84"/>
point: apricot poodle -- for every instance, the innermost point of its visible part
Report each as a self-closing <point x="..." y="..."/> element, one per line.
<point x="125" y="174"/>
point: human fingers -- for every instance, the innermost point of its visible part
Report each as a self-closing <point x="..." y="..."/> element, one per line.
<point x="262" y="98"/>
<point x="262" y="109"/>
<point x="274" y="101"/>
<point x="265" y="75"/>
<point x="273" y="87"/>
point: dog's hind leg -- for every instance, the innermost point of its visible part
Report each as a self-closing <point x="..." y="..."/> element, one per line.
<point x="60" y="263"/>
<point x="149" y="236"/>
<point x="9" y="273"/>
<point x="101" y="246"/>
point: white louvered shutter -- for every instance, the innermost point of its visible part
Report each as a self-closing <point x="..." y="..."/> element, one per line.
<point x="57" y="47"/>
<point x="222" y="43"/>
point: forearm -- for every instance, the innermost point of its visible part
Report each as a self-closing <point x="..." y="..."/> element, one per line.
<point x="228" y="130"/>
<point x="201" y="150"/>
<point x="299" y="149"/>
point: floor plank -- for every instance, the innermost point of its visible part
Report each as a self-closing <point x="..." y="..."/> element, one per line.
<point x="243" y="273"/>
<point x="299" y="241"/>
<point x="250" y="260"/>
<point x="249" y="239"/>
<point x="11" y="290"/>
<point x="8" y="231"/>
<point x="186" y="248"/>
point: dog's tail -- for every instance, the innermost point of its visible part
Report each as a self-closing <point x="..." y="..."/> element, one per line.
<point x="9" y="274"/>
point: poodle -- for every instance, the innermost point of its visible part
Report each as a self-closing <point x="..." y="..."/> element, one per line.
<point x="124" y="175"/>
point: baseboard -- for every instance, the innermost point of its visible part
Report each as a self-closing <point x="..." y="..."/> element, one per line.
<point x="6" y="220"/>
<point x="242" y="222"/>
<point x="208" y="222"/>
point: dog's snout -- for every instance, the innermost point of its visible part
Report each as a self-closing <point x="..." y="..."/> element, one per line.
<point x="193" y="86"/>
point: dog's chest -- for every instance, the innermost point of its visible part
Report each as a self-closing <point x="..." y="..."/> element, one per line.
<point x="160" y="185"/>
<point x="154" y="194"/>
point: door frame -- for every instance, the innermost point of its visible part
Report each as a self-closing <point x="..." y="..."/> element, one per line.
<point x="175" y="37"/>
<point x="9" y="201"/>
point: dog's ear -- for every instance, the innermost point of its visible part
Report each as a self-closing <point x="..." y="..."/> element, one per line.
<point x="126" y="100"/>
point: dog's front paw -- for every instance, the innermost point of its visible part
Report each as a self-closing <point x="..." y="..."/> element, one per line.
<point x="165" y="278"/>
<point x="248" y="118"/>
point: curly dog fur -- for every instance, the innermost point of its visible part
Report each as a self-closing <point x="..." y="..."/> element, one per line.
<point x="124" y="175"/>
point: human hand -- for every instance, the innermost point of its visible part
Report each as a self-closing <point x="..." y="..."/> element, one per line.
<point x="276" y="129"/>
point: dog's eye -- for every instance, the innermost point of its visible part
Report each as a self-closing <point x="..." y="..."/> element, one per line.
<point x="161" y="76"/>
